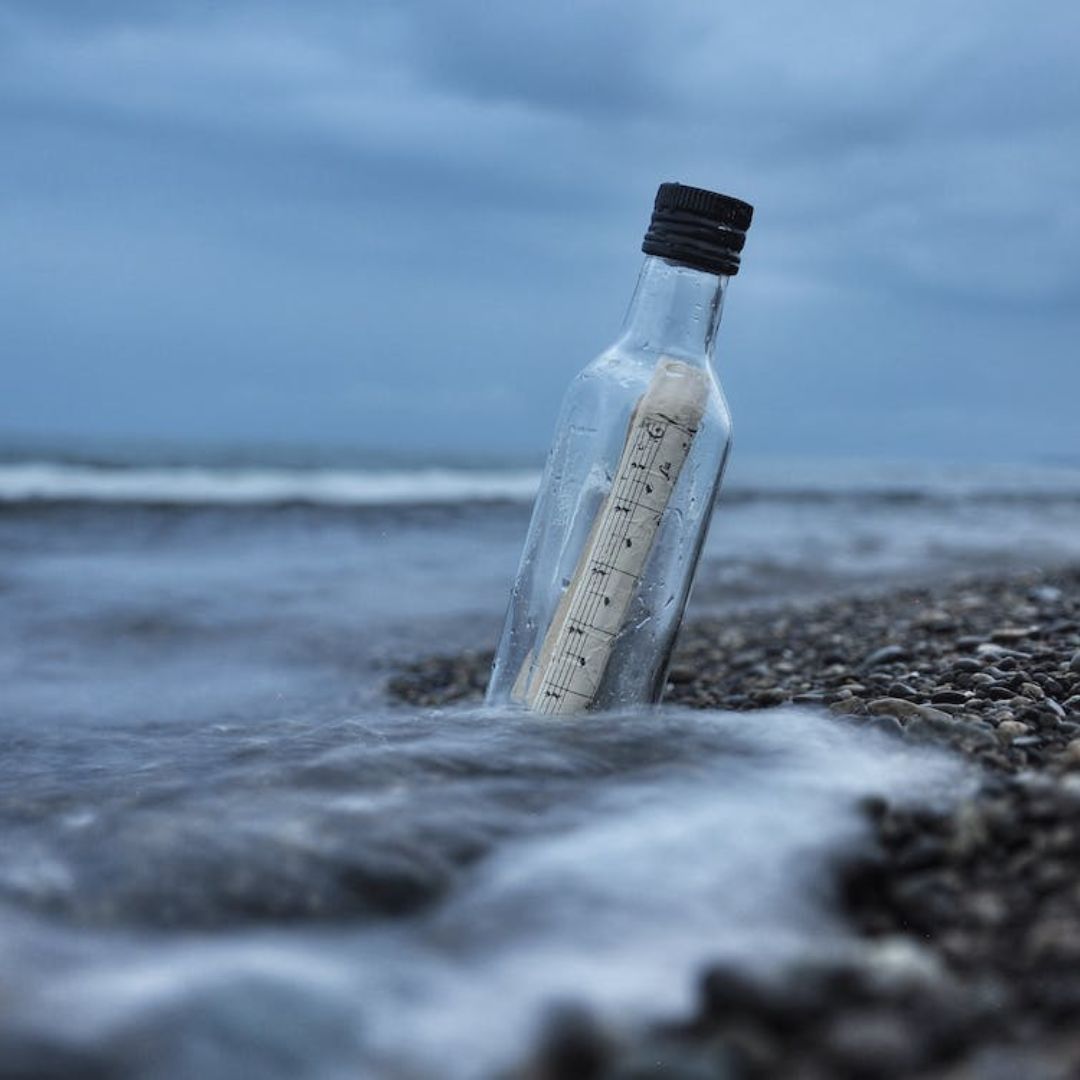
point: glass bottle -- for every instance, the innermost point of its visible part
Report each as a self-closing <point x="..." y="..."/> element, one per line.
<point x="630" y="482"/>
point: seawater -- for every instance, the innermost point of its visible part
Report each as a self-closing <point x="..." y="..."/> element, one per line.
<point x="226" y="851"/>
<point x="403" y="893"/>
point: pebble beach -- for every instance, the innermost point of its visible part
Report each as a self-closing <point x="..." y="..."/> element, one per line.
<point x="969" y="915"/>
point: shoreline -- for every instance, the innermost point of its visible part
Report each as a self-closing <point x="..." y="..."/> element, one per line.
<point x="970" y="916"/>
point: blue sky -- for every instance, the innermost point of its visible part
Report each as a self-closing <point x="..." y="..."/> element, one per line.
<point x="407" y="224"/>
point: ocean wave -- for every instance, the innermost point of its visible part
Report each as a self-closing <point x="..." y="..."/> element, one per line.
<point x="189" y="485"/>
<point x="220" y="485"/>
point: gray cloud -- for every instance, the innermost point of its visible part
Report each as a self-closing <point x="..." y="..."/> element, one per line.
<point x="269" y="219"/>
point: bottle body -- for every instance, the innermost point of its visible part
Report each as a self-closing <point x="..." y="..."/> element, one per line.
<point x="623" y="509"/>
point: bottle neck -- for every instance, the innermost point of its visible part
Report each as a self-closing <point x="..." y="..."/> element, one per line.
<point x="675" y="311"/>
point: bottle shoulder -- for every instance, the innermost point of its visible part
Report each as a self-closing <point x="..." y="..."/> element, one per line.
<point x="606" y="392"/>
<point x="634" y="368"/>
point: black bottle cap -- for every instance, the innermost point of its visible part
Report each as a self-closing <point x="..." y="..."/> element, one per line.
<point x="698" y="228"/>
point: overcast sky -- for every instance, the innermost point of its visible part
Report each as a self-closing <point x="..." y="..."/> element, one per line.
<point x="407" y="224"/>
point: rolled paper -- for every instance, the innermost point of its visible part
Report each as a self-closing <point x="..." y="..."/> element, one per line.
<point x="573" y="659"/>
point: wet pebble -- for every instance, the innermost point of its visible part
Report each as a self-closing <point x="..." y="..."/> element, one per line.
<point x="949" y="697"/>
<point x="965" y="665"/>
<point x="572" y="1046"/>
<point x="902" y="690"/>
<point x="1012" y="729"/>
<point x="888" y="654"/>
<point x="898" y="707"/>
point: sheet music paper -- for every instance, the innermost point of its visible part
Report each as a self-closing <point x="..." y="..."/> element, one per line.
<point x="578" y="645"/>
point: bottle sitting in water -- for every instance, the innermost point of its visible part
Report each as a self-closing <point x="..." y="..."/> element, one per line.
<point x="628" y="490"/>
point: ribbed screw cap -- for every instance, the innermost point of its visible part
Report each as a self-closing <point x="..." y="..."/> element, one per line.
<point x="698" y="228"/>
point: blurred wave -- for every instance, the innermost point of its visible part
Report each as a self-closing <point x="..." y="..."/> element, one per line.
<point x="197" y="485"/>
<point x="254" y="485"/>
<point x="284" y="899"/>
